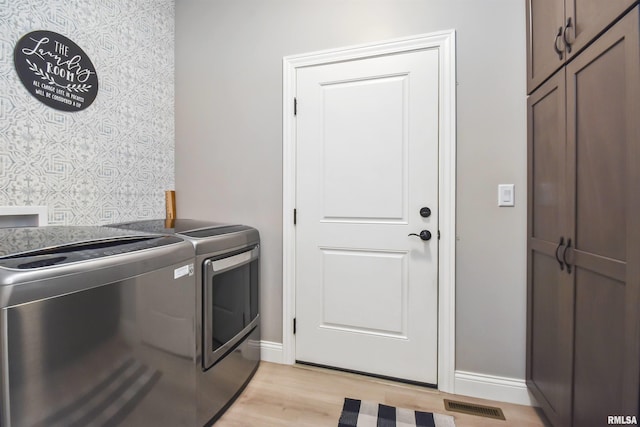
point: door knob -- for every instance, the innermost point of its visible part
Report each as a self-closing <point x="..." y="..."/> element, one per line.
<point x="425" y="212"/>
<point x="424" y="235"/>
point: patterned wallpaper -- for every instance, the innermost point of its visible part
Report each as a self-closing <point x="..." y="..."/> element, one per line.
<point x="113" y="161"/>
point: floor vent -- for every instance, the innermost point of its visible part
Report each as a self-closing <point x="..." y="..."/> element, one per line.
<point x="473" y="409"/>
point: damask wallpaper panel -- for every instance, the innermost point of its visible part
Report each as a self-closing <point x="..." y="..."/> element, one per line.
<point x="112" y="161"/>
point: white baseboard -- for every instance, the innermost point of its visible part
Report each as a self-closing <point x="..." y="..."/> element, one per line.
<point x="502" y="389"/>
<point x="271" y="352"/>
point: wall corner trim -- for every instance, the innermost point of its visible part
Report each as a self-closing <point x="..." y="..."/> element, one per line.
<point x="502" y="389"/>
<point x="271" y="352"/>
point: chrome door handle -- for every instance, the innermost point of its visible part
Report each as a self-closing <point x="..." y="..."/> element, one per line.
<point x="233" y="261"/>
<point x="424" y="235"/>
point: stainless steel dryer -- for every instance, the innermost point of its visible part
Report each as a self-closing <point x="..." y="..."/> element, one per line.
<point x="97" y="327"/>
<point x="227" y="273"/>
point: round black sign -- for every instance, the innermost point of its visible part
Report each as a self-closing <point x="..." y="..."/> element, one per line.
<point x="56" y="71"/>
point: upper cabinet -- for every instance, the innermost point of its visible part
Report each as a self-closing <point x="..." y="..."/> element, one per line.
<point x="558" y="29"/>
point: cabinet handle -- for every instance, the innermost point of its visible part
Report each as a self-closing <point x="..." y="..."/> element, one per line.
<point x="564" y="256"/>
<point x="566" y="35"/>
<point x="557" y="249"/>
<point x="555" y="43"/>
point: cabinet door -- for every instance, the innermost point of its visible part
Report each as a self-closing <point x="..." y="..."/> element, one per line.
<point x="559" y="29"/>
<point x="545" y="18"/>
<point x="603" y="142"/>
<point x="550" y="293"/>
<point x="585" y="19"/>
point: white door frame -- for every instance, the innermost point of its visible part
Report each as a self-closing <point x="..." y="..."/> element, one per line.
<point x="445" y="43"/>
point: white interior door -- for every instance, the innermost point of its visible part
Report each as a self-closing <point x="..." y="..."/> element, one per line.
<point x="367" y="162"/>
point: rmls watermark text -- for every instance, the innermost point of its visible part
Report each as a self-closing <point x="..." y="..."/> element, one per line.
<point x="622" y="420"/>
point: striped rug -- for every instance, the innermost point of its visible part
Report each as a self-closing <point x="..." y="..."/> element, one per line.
<point x="358" y="413"/>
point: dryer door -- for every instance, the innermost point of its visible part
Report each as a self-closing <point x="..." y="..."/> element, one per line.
<point x="230" y="309"/>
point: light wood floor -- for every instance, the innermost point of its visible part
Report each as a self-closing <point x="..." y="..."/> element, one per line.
<point x="283" y="395"/>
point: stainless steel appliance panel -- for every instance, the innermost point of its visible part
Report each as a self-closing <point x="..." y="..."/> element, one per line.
<point x="122" y="353"/>
<point x="219" y="386"/>
<point x="221" y="371"/>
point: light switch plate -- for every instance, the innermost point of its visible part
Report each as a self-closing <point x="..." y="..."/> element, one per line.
<point x="506" y="195"/>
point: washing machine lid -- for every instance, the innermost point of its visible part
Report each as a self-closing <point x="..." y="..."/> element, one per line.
<point x="36" y="247"/>
<point x="185" y="227"/>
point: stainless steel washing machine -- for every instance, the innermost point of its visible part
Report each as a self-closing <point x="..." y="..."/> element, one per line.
<point x="227" y="273"/>
<point x="97" y="327"/>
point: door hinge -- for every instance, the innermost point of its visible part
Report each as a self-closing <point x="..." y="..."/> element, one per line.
<point x="295" y="216"/>
<point x="438" y="234"/>
<point x="295" y="106"/>
<point x="294" y="326"/>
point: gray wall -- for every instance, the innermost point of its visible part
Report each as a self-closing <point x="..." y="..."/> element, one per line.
<point x="229" y="139"/>
<point x="114" y="160"/>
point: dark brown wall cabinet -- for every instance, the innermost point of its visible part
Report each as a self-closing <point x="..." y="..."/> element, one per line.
<point x="583" y="323"/>
<point x="559" y="29"/>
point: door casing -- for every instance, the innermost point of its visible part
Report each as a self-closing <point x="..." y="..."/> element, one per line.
<point x="444" y="41"/>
